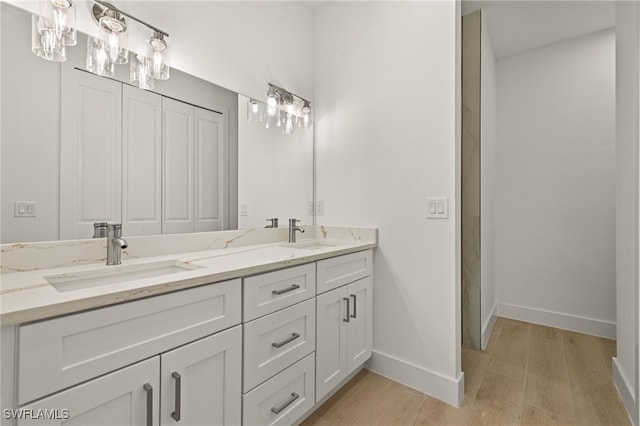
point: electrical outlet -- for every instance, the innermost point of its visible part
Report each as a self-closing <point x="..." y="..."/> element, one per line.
<point x="24" y="209"/>
<point x="244" y="209"/>
<point x="319" y="208"/>
<point x="438" y="208"/>
<point x="310" y="208"/>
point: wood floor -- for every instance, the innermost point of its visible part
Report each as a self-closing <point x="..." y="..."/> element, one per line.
<point x="529" y="375"/>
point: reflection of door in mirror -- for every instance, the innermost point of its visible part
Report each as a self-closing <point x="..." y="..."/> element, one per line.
<point x="153" y="163"/>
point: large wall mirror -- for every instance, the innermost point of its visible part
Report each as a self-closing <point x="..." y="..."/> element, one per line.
<point x="78" y="148"/>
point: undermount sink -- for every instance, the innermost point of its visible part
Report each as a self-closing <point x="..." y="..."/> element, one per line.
<point x="309" y="245"/>
<point x="116" y="274"/>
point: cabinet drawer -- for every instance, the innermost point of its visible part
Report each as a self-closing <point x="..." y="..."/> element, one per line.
<point x="61" y="352"/>
<point x="270" y="292"/>
<point x="274" y="342"/>
<point x="341" y="270"/>
<point x="284" y="398"/>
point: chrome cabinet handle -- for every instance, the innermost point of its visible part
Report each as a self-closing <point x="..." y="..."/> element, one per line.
<point x="293" y="337"/>
<point x="286" y="290"/>
<point x="353" y="296"/>
<point x="149" y="390"/>
<point x="176" y="414"/>
<point x="346" y="299"/>
<point x="277" y="410"/>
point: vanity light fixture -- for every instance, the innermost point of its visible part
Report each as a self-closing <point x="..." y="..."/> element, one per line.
<point x="283" y="108"/>
<point x="54" y="29"/>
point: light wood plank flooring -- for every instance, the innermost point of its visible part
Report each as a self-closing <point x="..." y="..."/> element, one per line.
<point x="529" y="375"/>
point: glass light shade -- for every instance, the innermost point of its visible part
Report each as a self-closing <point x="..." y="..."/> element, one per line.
<point x="62" y="15"/>
<point x="158" y="52"/>
<point x="253" y="110"/>
<point x="46" y="43"/>
<point x="306" y="116"/>
<point x="115" y="43"/>
<point x="140" y="72"/>
<point x="98" y="61"/>
<point x="289" y="122"/>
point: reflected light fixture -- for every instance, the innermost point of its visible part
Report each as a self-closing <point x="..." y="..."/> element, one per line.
<point x="283" y="108"/>
<point x="45" y="43"/>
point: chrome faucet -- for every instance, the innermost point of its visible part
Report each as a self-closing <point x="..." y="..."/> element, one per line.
<point x="274" y="222"/>
<point x="292" y="230"/>
<point x="115" y="243"/>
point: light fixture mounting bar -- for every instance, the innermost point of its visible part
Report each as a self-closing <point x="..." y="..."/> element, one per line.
<point x="140" y="21"/>
<point x="281" y="90"/>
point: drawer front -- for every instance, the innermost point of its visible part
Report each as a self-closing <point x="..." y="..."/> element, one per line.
<point x="341" y="270"/>
<point x="267" y="293"/>
<point x="274" y="342"/>
<point x="282" y="399"/>
<point x="61" y="352"/>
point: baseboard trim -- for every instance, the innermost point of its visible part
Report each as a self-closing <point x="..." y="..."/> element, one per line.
<point x="433" y="384"/>
<point x="627" y="392"/>
<point x="487" y="327"/>
<point x="558" y="320"/>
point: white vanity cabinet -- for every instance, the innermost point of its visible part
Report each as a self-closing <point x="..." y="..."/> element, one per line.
<point x="193" y="333"/>
<point x="344" y="318"/>
<point x="196" y="356"/>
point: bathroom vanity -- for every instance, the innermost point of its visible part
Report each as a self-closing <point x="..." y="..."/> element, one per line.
<point x="251" y="330"/>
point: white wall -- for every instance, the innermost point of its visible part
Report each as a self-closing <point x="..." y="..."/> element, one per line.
<point x="487" y="182"/>
<point x="275" y="172"/>
<point x="30" y="154"/>
<point x="625" y="366"/>
<point x="386" y="139"/>
<point x="555" y="192"/>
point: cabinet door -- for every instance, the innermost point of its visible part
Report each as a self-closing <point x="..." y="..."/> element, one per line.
<point x="119" y="398"/>
<point x="360" y="328"/>
<point x="177" y="184"/>
<point x="210" y="172"/>
<point x="141" y="162"/>
<point x="208" y="388"/>
<point x="331" y="347"/>
<point x="90" y="153"/>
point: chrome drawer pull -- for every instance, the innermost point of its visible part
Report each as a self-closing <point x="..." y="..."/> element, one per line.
<point x="149" y="390"/>
<point x="277" y="410"/>
<point x="285" y="290"/>
<point x="346" y="299"/>
<point x="293" y="337"/>
<point x="176" y="414"/>
<point x="354" y="306"/>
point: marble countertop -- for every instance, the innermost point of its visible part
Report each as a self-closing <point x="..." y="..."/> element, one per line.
<point x="28" y="296"/>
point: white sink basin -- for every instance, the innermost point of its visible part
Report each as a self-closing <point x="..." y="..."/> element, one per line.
<point x="116" y="274"/>
<point x="309" y="245"/>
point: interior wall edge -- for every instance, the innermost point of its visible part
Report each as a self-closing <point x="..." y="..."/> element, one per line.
<point x="487" y="327"/>
<point x="446" y="389"/>
<point x="625" y="390"/>
<point x="591" y="326"/>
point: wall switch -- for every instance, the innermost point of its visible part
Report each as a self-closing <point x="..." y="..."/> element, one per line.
<point x="24" y="209"/>
<point x="244" y="209"/>
<point x="320" y="208"/>
<point x="310" y="208"/>
<point x="438" y="208"/>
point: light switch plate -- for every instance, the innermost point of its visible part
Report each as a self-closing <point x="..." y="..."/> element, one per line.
<point x="438" y="208"/>
<point x="24" y="209"/>
<point x="244" y="209"/>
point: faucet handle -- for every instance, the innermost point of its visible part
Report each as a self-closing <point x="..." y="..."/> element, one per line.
<point x="293" y="222"/>
<point x="99" y="229"/>
<point x="274" y="222"/>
